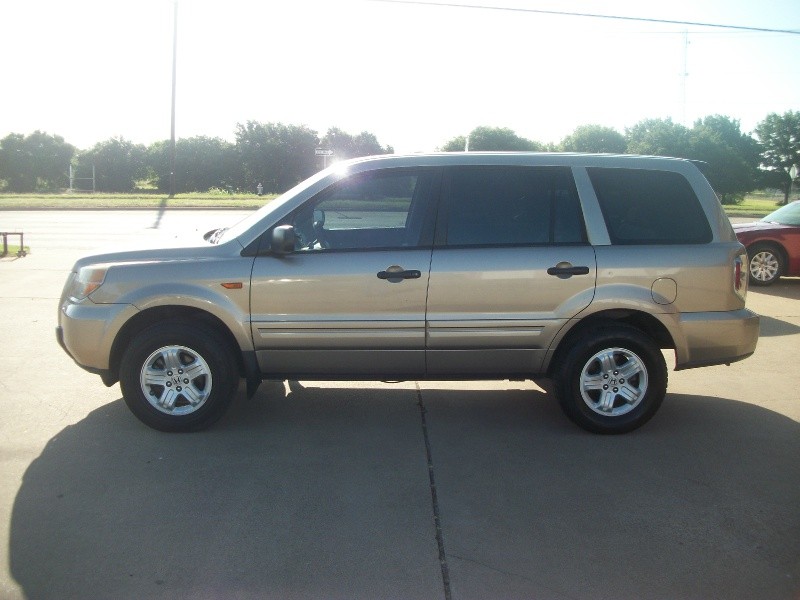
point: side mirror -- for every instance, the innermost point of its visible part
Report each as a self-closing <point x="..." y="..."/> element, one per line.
<point x="283" y="240"/>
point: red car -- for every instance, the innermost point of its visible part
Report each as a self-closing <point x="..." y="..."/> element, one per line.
<point x="773" y="244"/>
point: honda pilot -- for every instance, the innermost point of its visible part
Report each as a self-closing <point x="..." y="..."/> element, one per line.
<point x="582" y="269"/>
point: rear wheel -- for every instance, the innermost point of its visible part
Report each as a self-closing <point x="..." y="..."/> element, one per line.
<point x="766" y="264"/>
<point x="178" y="377"/>
<point x="612" y="380"/>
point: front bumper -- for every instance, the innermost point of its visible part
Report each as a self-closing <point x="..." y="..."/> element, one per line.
<point x="105" y="374"/>
<point x="86" y="332"/>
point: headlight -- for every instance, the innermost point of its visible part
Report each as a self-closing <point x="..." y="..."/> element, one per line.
<point x="87" y="280"/>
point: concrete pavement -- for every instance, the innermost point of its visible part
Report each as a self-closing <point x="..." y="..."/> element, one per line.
<point x="323" y="490"/>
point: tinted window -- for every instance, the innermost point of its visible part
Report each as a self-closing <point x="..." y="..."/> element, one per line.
<point x="649" y="207"/>
<point x="382" y="209"/>
<point x="512" y="206"/>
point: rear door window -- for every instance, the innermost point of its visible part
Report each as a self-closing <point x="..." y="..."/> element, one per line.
<point x="511" y="206"/>
<point x="649" y="207"/>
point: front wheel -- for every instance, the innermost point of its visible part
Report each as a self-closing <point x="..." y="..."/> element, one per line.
<point x="178" y="377"/>
<point x="766" y="264"/>
<point x="612" y="380"/>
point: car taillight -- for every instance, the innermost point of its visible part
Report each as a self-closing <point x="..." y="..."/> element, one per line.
<point x="740" y="275"/>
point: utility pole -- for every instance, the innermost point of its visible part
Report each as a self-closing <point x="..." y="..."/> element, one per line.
<point x="685" y="74"/>
<point x="174" y="71"/>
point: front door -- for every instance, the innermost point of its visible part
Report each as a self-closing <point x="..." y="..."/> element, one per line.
<point x="350" y="301"/>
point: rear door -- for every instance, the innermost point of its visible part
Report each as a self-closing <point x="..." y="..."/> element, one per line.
<point x="511" y="266"/>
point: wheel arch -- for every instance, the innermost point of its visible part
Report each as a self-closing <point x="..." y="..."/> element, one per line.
<point x="188" y="314"/>
<point x="641" y="321"/>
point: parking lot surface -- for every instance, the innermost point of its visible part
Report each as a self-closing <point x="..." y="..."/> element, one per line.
<point x="384" y="490"/>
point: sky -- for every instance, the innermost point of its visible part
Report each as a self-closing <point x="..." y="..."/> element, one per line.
<point x="414" y="74"/>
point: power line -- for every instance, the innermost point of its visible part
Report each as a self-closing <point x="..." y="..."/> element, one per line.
<point x="592" y="16"/>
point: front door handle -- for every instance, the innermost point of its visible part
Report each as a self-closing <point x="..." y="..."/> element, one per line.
<point x="395" y="274"/>
<point x="565" y="270"/>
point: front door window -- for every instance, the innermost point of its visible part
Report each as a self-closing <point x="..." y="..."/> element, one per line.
<point x="366" y="211"/>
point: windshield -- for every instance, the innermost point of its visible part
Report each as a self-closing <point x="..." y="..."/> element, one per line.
<point x="224" y="235"/>
<point x="785" y="215"/>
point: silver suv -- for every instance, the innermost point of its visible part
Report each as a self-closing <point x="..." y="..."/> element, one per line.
<point x="579" y="268"/>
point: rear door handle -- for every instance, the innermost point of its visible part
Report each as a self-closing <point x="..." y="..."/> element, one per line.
<point x="395" y="274"/>
<point x="565" y="270"/>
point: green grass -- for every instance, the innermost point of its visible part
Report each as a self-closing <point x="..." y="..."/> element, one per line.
<point x="757" y="204"/>
<point x="12" y="250"/>
<point x="129" y="201"/>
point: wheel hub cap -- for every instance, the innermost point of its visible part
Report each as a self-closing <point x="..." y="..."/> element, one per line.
<point x="613" y="382"/>
<point x="175" y="380"/>
<point x="764" y="266"/>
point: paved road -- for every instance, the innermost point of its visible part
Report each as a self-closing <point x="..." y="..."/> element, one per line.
<point x="323" y="490"/>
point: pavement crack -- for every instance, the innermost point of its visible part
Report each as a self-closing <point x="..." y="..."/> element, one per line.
<point x="492" y="568"/>
<point x="437" y="521"/>
<point x="553" y="592"/>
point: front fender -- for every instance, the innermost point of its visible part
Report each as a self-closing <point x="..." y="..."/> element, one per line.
<point x="227" y="309"/>
<point x="193" y="284"/>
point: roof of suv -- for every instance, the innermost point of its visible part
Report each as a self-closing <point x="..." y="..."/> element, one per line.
<point x="524" y="158"/>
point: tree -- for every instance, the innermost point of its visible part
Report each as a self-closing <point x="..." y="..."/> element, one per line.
<point x="201" y="163"/>
<point x="276" y="155"/>
<point x="780" y="147"/>
<point x="595" y="138"/>
<point x="37" y="162"/>
<point x="731" y="156"/>
<point x="492" y="139"/>
<point x="659" y="137"/>
<point x="345" y="145"/>
<point x="456" y="144"/>
<point x="118" y="163"/>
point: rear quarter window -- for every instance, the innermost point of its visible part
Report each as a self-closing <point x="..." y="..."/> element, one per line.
<point x="649" y="207"/>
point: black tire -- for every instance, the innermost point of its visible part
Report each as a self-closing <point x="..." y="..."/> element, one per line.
<point x="191" y="379"/>
<point x="611" y="380"/>
<point x="765" y="264"/>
